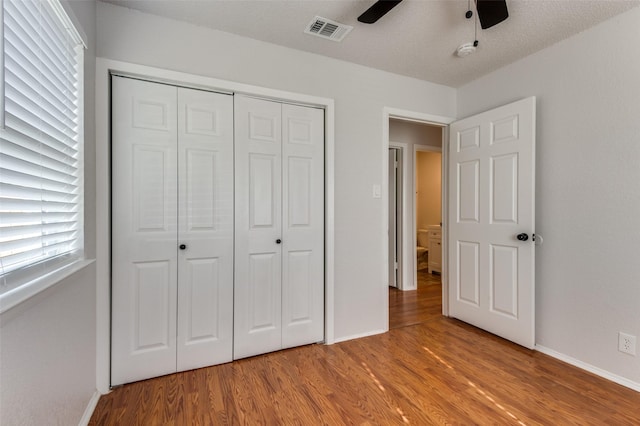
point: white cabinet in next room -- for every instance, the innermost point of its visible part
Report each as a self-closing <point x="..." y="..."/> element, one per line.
<point x="435" y="248"/>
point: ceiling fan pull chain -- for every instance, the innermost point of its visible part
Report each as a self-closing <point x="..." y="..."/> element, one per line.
<point x="469" y="13"/>
<point x="475" y="33"/>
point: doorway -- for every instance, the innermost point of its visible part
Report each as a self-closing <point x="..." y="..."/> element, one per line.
<point x="420" y="297"/>
<point x="503" y="141"/>
<point x="428" y="208"/>
<point x="424" y="303"/>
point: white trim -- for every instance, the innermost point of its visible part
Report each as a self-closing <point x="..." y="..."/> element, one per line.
<point x="213" y="84"/>
<point x="171" y="82"/>
<point x="24" y="292"/>
<point x="407" y="282"/>
<point x="103" y="228"/>
<point x="419" y="117"/>
<point x="444" y="273"/>
<point x="104" y="67"/>
<point x="436" y="120"/>
<point x="329" y="222"/>
<point x="360" y="335"/>
<point x="69" y="21"/>
<point x="384" y="273"/>
<point x="91" y="407"/>
<point x="590" y="368"/>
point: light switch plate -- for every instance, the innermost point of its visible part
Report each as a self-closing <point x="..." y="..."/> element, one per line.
<point x="377" y="191"/>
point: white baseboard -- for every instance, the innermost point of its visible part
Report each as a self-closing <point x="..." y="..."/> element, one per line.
<point x="357" y="336"/>
<point x="91" y="406"/>
<point x="590" y="368"/>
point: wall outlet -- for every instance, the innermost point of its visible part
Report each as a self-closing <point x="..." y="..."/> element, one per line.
<point x="627" y="343"/>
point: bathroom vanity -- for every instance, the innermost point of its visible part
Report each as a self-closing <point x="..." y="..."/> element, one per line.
<point x="435" y="248"/>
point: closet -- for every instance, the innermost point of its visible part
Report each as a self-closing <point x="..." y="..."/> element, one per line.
<point x="172" y="229"/>
<point x="279" y="227"/>
<point x="205" y="270"/>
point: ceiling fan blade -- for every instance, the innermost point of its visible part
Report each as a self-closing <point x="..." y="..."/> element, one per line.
<point x="491" y="12"/>
<point x="377" y="11"/>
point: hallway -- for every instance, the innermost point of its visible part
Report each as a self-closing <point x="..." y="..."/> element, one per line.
<point x="416" y="306"/>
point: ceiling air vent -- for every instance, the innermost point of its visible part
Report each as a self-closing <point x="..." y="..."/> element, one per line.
<point x="326" y="28"/>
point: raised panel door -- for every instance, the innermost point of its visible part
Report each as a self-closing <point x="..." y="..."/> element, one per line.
<point x="205" y="229"/>
<point x="491" y="272"/>
<point x="258" y="227"/>
<point x="303" y="225"/>
<point x="279" y="254"/>
<point x="144" y="224"/>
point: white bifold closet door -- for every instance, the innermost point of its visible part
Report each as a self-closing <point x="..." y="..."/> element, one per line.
<point x="279" y="227"/>
<point x="172" y="229"/>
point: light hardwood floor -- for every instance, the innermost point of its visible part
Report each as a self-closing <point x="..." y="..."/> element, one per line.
<point x="429" y="370"/>
<point x="415" y="307"/>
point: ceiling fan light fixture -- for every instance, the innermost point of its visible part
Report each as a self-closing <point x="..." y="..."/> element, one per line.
<point x="465" y="49"/>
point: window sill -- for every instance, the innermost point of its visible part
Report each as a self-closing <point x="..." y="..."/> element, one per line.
<point x="16" y="296"/>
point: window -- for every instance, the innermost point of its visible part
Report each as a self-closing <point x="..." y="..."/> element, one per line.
<point x="41" y="130"/>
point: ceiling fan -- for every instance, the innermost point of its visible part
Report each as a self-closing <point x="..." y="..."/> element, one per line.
<point x="490" y="12"/>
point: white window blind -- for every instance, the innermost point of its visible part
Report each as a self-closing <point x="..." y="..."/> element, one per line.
<point x="41" y="214"/>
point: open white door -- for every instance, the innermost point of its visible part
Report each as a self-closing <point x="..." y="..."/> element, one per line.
<point x="492" y="221"/>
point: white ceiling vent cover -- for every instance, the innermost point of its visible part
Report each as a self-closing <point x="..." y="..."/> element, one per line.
<point x="326" y="28"/>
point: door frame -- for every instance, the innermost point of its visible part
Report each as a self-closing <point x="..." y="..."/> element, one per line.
<point x="404" y="282"/>
<point x="104" y="69"/>
<point x="423" y="118"/>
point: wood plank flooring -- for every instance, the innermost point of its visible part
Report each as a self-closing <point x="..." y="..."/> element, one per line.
<point x="436" y="371"/>
<point x="417" y="306"/>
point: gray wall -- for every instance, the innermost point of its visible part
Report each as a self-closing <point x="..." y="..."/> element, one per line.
<point x="587" y="187"/>
<point x="47" y="344"/>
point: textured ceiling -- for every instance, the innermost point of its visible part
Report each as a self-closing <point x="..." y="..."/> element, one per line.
<point x="417" y="39"/>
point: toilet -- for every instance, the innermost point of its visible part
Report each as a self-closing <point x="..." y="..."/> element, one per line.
<point x="422" y="250"/>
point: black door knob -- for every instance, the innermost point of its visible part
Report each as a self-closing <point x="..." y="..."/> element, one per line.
<point x="278" y="241"/>
<point x="522" y="237"/>
<point x="183" y="246"/>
